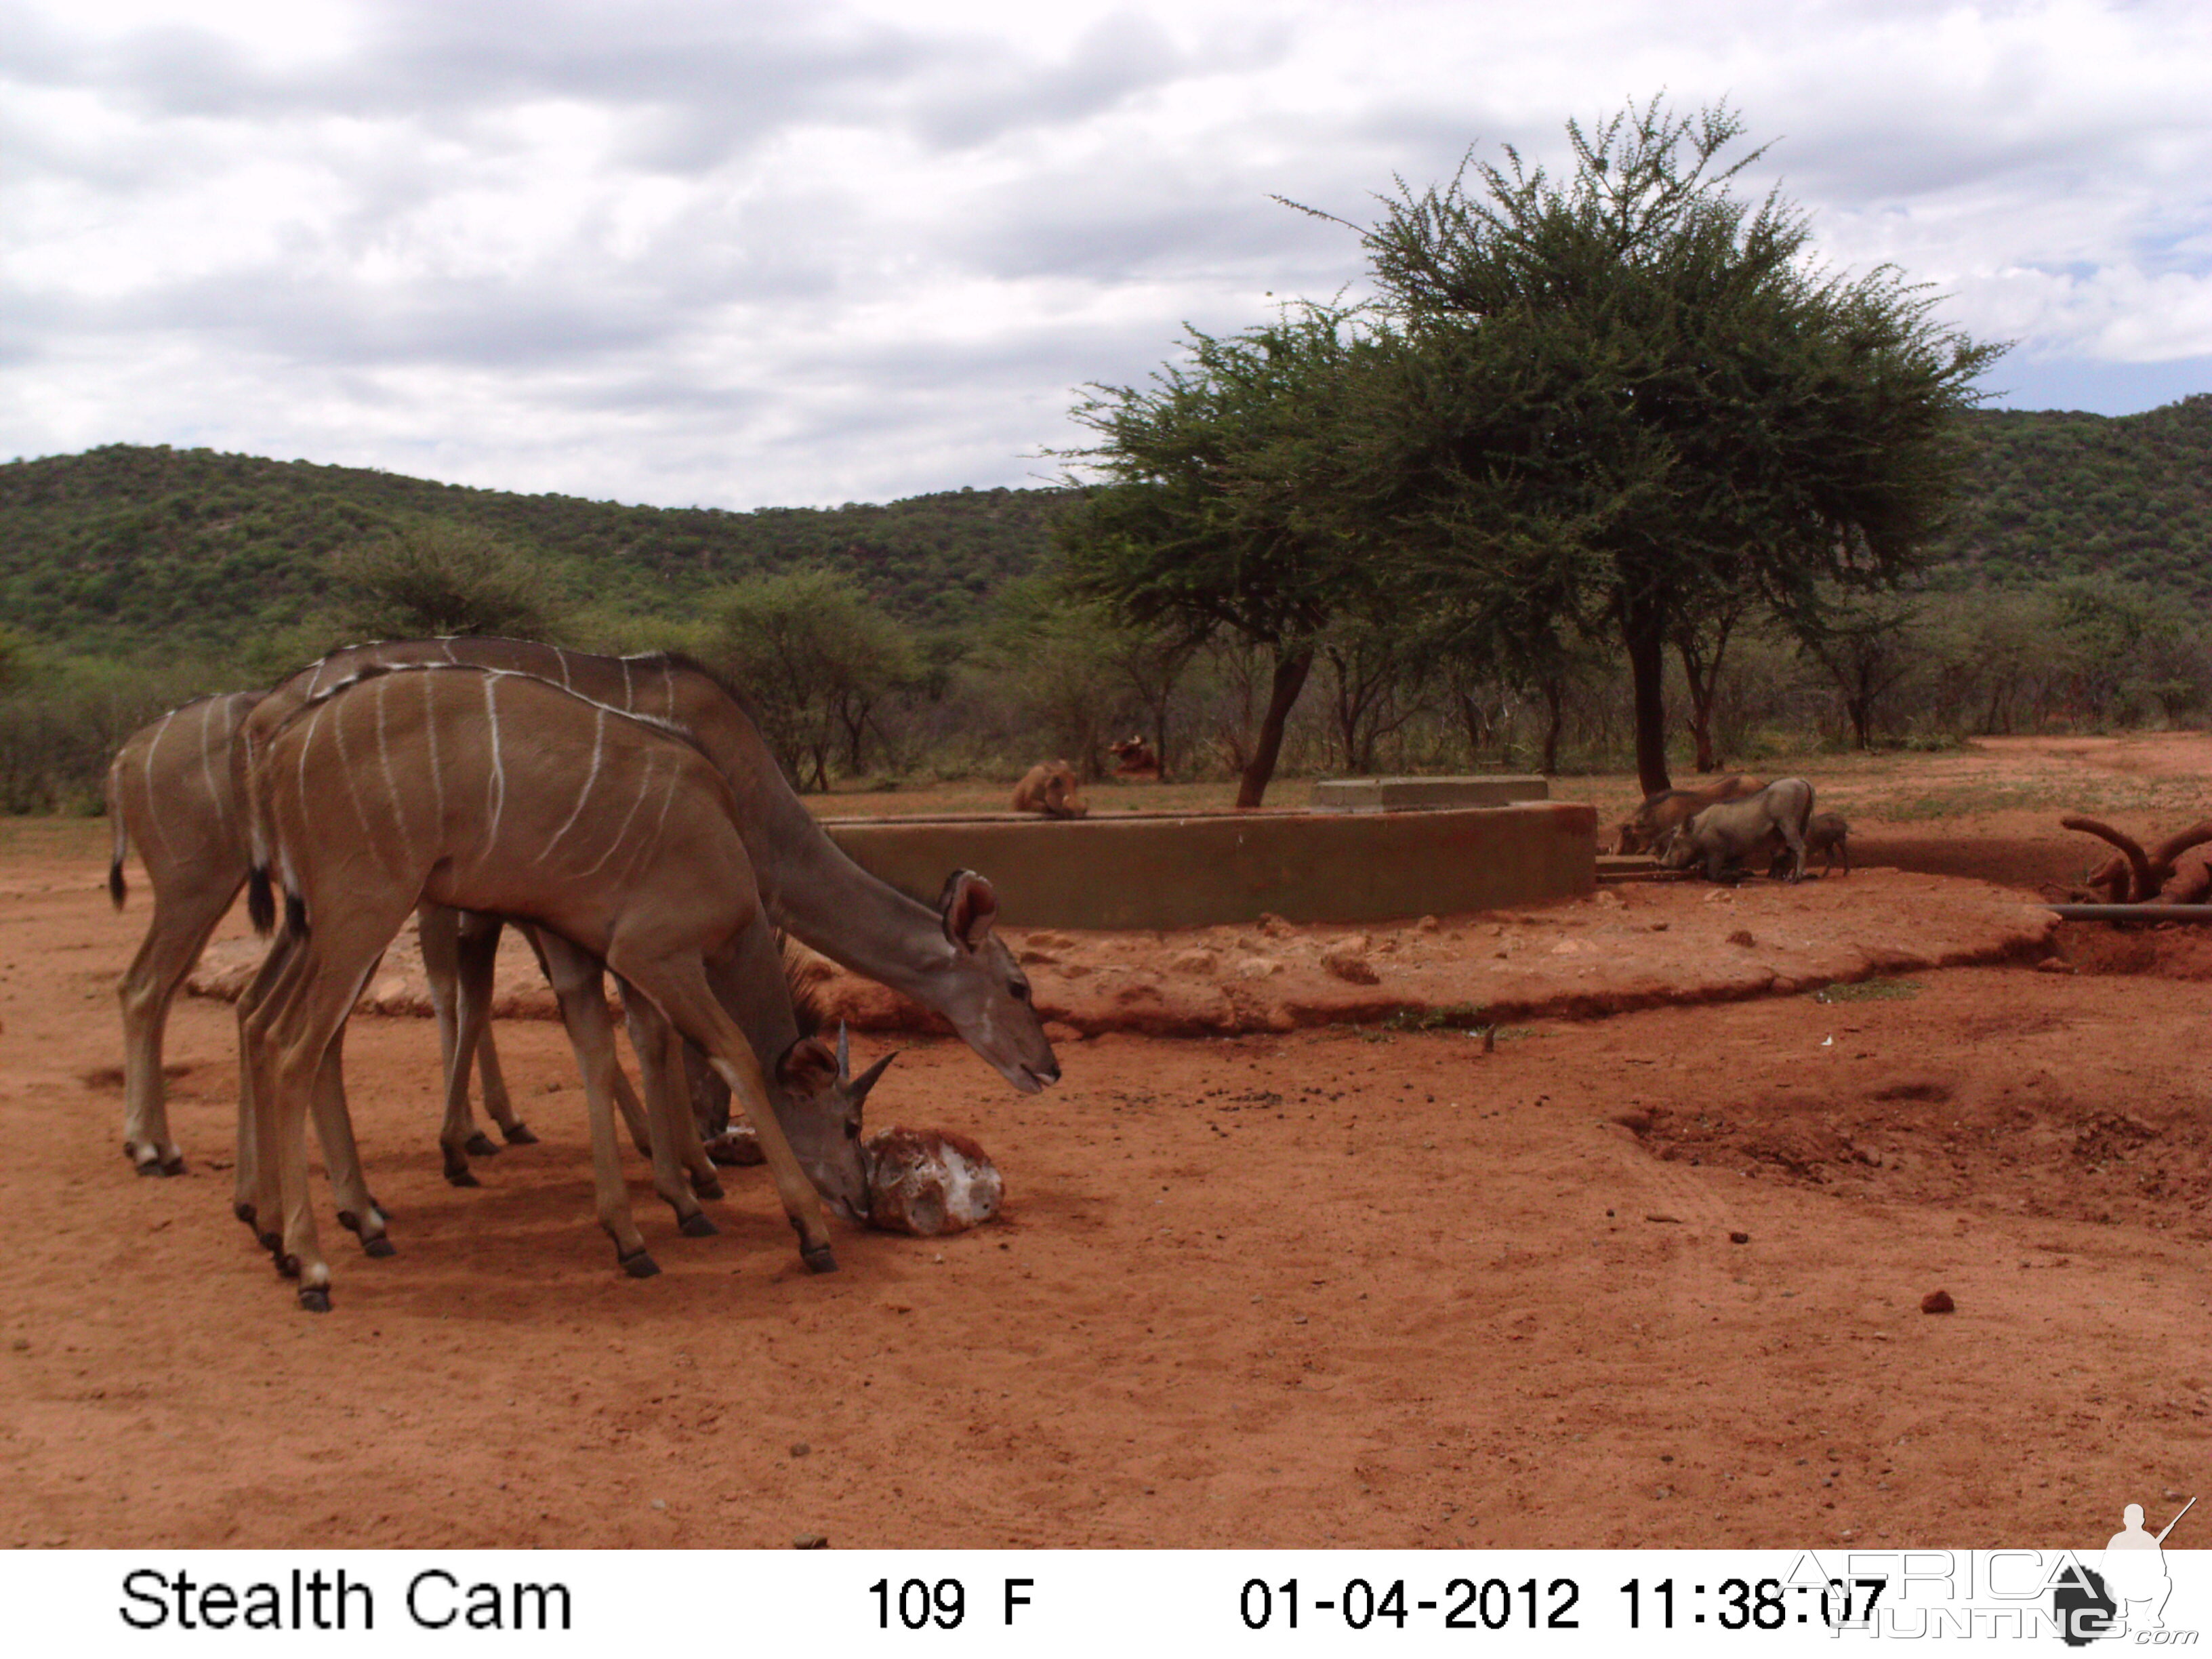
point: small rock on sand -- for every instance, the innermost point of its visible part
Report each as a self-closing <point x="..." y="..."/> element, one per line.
<point x="1741" y="936"/>
<point x="1937" y="1302"/>
<point x="1200" y="962"/>
<point x="1346" y="959"/>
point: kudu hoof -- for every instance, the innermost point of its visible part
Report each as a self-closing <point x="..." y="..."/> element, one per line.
<point x="173" y="1166"/>
<point x="481" y="1145"/>
<point x="289" y="1266"/>
<point x="244" y="1211"/>
<point x="705" y="1186"/>
<point x="696" y="1225"/>
<point x="462" y="1178"/>
<point x="379" y="1247"/>
<point x="519" y="1134"/>
<point x="315" y="1298"/>
<point x="819" y="1259"/>
<point x="272" y="1243"/>
<point x="640" y="1266"/>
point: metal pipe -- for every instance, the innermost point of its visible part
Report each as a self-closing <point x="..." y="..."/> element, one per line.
<point x="2132" y="912"/>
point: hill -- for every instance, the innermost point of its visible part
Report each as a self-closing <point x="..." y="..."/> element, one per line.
<point x="124" y="545"/>
<point x="2053" y="494"/>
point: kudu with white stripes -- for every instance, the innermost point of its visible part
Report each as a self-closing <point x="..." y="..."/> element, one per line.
<point x="172" y="791"/>
<point x="810" y="888"/>
<point x="496" y="792"/>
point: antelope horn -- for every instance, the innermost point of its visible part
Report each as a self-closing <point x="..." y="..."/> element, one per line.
<point x="857" y="1090"/>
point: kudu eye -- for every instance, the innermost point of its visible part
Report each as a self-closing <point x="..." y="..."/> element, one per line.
<point x="1020" y="991"/>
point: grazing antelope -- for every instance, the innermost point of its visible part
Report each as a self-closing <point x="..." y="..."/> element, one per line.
<point x="1050" y="788"/>
<point x="493" y="791"/>
<point x="811" y="888"/>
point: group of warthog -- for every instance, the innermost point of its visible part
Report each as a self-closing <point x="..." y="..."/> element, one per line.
<point x="626" y="813"/>
<point x="1731" y="823"/>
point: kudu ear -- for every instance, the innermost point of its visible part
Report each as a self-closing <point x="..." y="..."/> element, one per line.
<point x="807" y="1067"/>
<point x="968" y="907"/>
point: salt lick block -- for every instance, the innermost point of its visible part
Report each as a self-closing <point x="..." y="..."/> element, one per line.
<point x="925" y="1182"/>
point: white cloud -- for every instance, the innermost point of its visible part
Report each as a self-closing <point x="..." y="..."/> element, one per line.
<point x="694" y="250"/>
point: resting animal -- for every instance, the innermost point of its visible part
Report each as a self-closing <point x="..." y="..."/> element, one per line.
<point x="1135" y="759"/>
<point x="1052" y="790"/>
<point x="1737" y="830"/>
<point x="1825" y="833"/>
<point x="1670" y="809"/>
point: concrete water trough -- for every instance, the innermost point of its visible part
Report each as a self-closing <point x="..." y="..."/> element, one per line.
<point x="1144" y="870"/>
<point x="1387" y="794"/>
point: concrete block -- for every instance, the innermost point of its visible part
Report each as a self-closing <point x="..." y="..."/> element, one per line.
<point x="1403" y="795"/>
<point x="1191" y="870"/>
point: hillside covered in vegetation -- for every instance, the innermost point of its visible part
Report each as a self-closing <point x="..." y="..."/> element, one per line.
<point x="123" y="548"/>
<point x="2053" y="494"/>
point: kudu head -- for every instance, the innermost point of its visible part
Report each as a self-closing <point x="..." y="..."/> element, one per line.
<point x="987" y="996"/>
<point x="820" y="1108"/>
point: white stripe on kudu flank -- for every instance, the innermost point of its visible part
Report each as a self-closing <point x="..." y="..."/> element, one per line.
<point x="644" y="788"/>
<point x="353" y="788"/>
<point x="628" y="701"/>
<point x="437" y="771"/>
<point x="599" y="738"/>
<point x="153" y="799"/>
<point x="495" y="792"/>
<point x="390" y="783"/>
<point x="562" y="657"/>
<point x="307" y="742"/>
<point x="207" y="763"/>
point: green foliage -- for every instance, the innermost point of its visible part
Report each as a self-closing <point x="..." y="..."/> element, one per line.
<point x="1628" y="395"/>
<point x="1870" y="990"/>
<point x="816" y="657"/>
<point x="437" y="577"/>
<point x="123" y="546"/>
<point x="2049" y="495"/>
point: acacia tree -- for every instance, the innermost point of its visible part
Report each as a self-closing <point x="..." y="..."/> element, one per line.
<point x="1633" y="390"/>
<point x="436" y="577"/>
<point x="1224" y="501"/>
<point x="817" y="656"/>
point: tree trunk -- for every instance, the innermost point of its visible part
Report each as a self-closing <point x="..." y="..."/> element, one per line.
<point x="1555" y="701"/>
<point x="1643" y="630"/>
<point x="1290" y="679"/>
<point x="1702" y="675"/>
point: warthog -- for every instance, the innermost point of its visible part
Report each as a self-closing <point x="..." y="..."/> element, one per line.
<point x="1051" y="789"/>
<point x="1670" y="809"/>
<point x="1739" y="829"/>
<point x="1825" y="833"/>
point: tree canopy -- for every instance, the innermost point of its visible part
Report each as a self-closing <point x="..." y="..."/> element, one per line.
<point x="1226" y="504"/>
<point x="1631" y="395"/>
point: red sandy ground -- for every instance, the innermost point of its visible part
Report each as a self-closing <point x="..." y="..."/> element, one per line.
<point x="1334" y="1284"/>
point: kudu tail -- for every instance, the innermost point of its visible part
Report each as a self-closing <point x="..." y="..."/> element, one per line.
<point x="116" y="886"/>
<point x="260" y="900"/>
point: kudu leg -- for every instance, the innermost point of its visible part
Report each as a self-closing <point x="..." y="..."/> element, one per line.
<point x="295" y="1032"/>
<point x="680" y="989"/>
<point x="577" y="981"/>
<point x="250" y="1199"/>
<point x="460" y="1022"/>
<point x="174" y="941"/>
<point x="358" y="1212"/>
<point x="625" y="1098"/>
<point x="479" y="964"/>
<point x="666" y="1084"/>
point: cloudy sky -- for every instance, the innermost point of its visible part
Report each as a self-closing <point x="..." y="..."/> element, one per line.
<point x="714" y="252"/>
